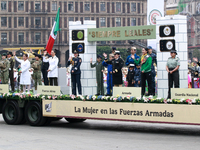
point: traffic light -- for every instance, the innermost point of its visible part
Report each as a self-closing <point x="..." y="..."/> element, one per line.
<point x="167" y="42"/>
<point x="77" y="35"/>
<point x="80" y="47"/>
<point x="167" y="45"/>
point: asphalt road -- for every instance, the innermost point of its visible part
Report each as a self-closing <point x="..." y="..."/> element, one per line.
<point x="99" y="135"/>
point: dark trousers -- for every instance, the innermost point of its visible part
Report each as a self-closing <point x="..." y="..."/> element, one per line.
<point x="153" y="74"/>
<point x="173" y="79"/>
<point x="44" y="74"/>
<point x="53" y="81"/>
<point x="76" y="79"/>
<point x="146" y="77"/>
<point x="100" y="87"/>
<point x="11" y="77"/>
<point x="130" y="84"/>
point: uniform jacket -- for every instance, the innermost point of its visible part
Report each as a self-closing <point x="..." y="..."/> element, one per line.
<point x="53" y="67"/>
<point x="146" y="66"/>
<point x="137" y="76"/>
<point x="36" y="67"/>
<point x="99" y="68"/>
<point x="130" y="60"/>
<point x="11" y="64"/>
<point x="107" y="65"/>
<point x="25" y="77"/>
<point x="76" y="63"/>
<point x="154" y="60"/>
<point x="130" y="75"/>
<point x="45" y="64"/>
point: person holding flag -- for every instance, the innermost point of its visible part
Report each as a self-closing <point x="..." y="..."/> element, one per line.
<point x="53" y="34"/>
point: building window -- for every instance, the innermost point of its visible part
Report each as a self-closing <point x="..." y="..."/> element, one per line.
<point x="3" y="38"/>
<point x="87" y="6"/>
<point x="71" y="18"/>
<point x="53" y="19"/>
<point x="71" y="6"/>
<point x="118" y="22"/>
<point x="133" y="7"/>
<point x="3" y="5"/>
<point x="37" y="38"/>
<point x="118" y="7"/>
<point x="37" y="22"/>
<point x="20" y="5"/>
<point x="3" y="21"/>
<point x="133" y="22"/>
<point x="103" y="22"/>
<point x="87" y="18"/>
<point x="21" y="37"/>
<point x="37" y="7"/>
<point x="20" y="21"/>
<point x="102" y="6"/>
<point x="54" y="6"/>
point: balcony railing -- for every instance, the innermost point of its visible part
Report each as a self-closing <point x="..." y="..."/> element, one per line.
<point x="38" y="27"/>
<point x="37" y="11"/>
<point x="33" y="42"/>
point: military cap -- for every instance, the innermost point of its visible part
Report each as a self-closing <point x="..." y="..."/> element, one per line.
<point x="99" y="56"/>
<point x="173" y="51"/>
<point x="113" y="48"/>
<point x="117" y="52"/>
<point x="149" y="47"/>
<point x="75" y="51"/>
<point x="9" y="53"/>
<point x="37" y="55"/>
<point x="4" y="54"/>
<point x="131" y="65"/>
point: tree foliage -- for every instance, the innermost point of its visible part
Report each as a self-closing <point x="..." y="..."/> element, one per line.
<point x="196" y="53"/>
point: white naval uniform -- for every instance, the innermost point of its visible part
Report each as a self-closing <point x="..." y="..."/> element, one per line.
<point x="53" y="67"/>
<point x="25" y="77"/>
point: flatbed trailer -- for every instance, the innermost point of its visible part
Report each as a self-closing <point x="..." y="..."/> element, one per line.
<point x="42" y="112"/>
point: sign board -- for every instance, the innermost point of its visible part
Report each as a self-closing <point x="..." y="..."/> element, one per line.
<point x="125" y="91"/>
<point x="185" y="93"/>
<point x="122" y="33"/>
<point x="4" y="88"/>
<point x="49" y="90"/>
<point x="122" y="111"/>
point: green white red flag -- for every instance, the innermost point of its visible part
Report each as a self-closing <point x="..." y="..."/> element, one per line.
<point x="53" y="34"/>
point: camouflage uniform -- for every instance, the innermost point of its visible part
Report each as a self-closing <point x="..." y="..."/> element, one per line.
<point x="4" y="65"/>
<point x="36" y="65"/>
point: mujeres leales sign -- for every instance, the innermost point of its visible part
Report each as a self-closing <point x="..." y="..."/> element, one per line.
<point x="122" y="33"/>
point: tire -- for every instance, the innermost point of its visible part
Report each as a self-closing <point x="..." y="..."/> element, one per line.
<point x="33" y="114"/>
<point x="73" y="120"/>
<point x="12" y="114"/>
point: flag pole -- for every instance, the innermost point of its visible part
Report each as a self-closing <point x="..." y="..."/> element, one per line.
<point x="59" y="34"/>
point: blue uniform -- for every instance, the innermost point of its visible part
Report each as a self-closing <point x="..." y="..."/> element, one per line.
<point x="109" y="78"/>
<point x="76" y="74"/>
<point x="130" y="60"/>
<point x="153" y="73"/>
<point x="137" y="77"/>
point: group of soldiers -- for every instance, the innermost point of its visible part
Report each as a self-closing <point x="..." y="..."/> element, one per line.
<point x="38" y="67"/>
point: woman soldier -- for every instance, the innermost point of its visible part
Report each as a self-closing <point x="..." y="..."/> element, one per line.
<point x="145" y="62"/>
<point x="173" y="64"/>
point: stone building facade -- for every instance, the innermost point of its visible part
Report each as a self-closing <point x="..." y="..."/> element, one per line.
<point x="28" y="23"/>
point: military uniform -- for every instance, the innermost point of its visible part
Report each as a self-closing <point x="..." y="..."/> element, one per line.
<point x="99" y="76"/>
<point x="137" y="77"/>
<point x="4" y="65"/>
<point x="130" y="60"/>
<point x="130" y="76"/>
<point x="76" y="74"/>
<point x="11" y="73"/>
<point x="172" y="63"/>
<point x="36" y="65"/>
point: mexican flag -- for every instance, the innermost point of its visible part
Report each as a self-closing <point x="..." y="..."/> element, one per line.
<point x="53" y="34"/>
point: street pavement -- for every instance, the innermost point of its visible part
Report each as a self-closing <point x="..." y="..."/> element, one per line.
<point x="99" y="135"/>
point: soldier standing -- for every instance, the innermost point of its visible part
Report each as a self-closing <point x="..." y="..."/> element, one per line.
<point x="36" y="67"/>
<point x="173" y="64"/>
<point x="75" y="72"/>
<point x="153" y="73"/>
<point x="11" y="73"/>
<point x="130" y="75"/>
<point x="99" y="74"/>
<point x="4" y="65"/>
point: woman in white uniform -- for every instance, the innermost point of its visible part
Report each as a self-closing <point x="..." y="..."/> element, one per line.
<point x="53" y="69"/>
<point x="25" y="77"/>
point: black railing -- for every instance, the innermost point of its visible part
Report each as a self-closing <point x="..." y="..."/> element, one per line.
<point x="37" y="11"/>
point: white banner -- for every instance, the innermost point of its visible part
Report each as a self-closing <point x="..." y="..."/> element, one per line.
<point x="152" y="12"/>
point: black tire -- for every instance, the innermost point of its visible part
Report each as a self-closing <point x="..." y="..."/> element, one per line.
<point x="12" y="114"/>
<point x="73" y="120"/>
<point x="33" y="114"/>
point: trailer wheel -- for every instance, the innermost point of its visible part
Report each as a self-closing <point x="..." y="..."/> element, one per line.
<point x="12" y="114"/>
<point x="73" y="120"/>
<point x="33" y="114"/>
